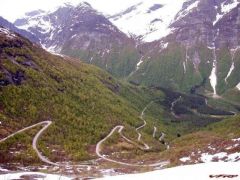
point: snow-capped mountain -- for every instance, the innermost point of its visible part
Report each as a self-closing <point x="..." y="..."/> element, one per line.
<point x="150" y="20"/>
<point x="201" y="50"/>
<point x="154" y="19"/>
<point x="65" y="23"/>
<point x="81" y="31"/>
<point x="6" y="24"/>
<point x="176" y="44"/>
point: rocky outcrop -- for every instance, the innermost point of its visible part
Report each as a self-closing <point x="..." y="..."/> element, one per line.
<point x="208" y="22"/>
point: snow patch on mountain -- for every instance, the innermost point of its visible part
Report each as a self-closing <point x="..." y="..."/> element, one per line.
<point x="3" y="169"/>
<point x="238" y="86"/>
<point x="230" y="71"/>
<point x="220" y="157"/>
<point x="185" y="12"/>
<point x="233" y="52"/>
<point x="213" y="76"/>
<point x="185" y="159"/>
<point x="37" y="20"/>
<point x="40" y="18"/>
<point x="7" y="33"/>
<point x="139" y="63"/>
<point x="50" y="26"/>
<point x="226" y="7"/>
<point x="150" y="20"/>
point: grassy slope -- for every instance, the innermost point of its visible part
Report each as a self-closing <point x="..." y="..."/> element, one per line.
<point x="220" y="132"/>
<point x="120" y="61"/>
<point x="83" y="102"/>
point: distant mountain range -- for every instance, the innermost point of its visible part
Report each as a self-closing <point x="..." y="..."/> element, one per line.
<point x="188" y="45"/>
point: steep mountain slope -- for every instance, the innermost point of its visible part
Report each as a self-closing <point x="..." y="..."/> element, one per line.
<point x="76" y="112"/>
<point x="26" y="34"/>
<point x="201" y="51"/>
<point x="82" y="32"/>
<point x="70" y="105"/>
<point x="80" y="93"/>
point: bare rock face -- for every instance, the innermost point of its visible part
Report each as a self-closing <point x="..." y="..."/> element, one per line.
<point x="203" y="46"/>
<point x="229" y="32"/>
<point x="209" y="22"/>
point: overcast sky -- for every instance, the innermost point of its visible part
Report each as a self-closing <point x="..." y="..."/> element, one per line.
<point x="13" y="9"/>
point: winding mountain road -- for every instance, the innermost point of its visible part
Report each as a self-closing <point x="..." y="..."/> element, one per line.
<point x="35" y="140"/>
<point x="119" y="129"/>
<point x="162" y="136"/>
<point x="34" y="145"/>
<point x="143" y="125"/>
<point x="154" y="131"/>
<point x="46" y="123"/>
<point x="173" y="105"/>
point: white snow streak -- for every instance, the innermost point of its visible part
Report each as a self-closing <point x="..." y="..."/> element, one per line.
<point x="233" y="51"/>
<point x="188" y="10"/>
<point x="213" y="76"/>
<point x="238" y="86"/>
<point x="3" y="170"/>
<point x="230" y="71"/>
<point x="139" y="63"/>
<point x="7" y="33"/>
<point x="185" y="62"/>
<point x="225" y="9"/>
<point x="184" y="67"/>
<point x="185" y="159"/>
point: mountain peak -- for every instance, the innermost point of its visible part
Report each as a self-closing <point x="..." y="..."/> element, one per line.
<point x="70" y="4"/>
<point x="85" y="4"/>
<point x="34" y="13"/>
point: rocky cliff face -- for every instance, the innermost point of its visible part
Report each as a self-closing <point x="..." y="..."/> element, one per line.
<point x="208" y="22"/>
<point x="202" y="47"/>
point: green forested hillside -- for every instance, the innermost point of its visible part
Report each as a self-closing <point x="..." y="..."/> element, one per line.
<point x="83" y="102"/>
